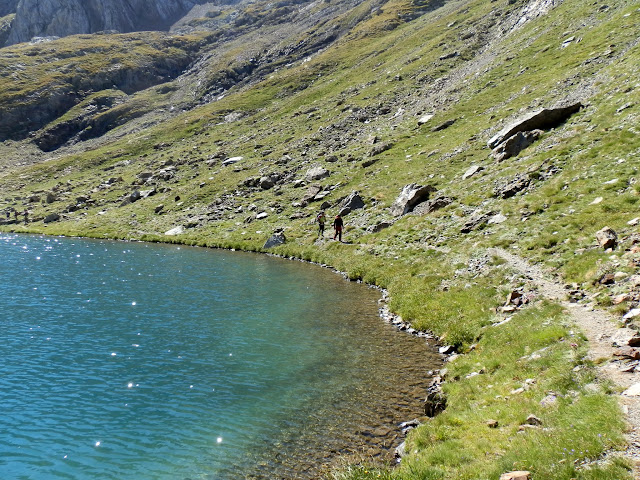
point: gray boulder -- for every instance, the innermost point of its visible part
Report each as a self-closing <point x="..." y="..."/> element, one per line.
<point x="266" y="182"/>
<point x="538" y="120"/>
<point x="476" y="221"/>
<point x="175" y="231"/>
<point x="432" y="205"/>
<point x="509" y="188"/>
<point x="316" y="173"/>
<point x="352" y="202"/>
<point x="378" y="227"/>
<point x="274" y="240"/>
<point x="471" y="171"/>
<point x="52" y="217"/>
<point x="513" y="145"/>
<point x="131" y="198"/>
<point x="410" y="196"/>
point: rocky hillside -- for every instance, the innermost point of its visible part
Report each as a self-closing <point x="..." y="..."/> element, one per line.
<point x="59" y="18"/>
<point x="441" y="131"/>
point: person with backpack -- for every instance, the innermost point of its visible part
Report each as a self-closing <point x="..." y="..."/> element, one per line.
<point x="337" y="226"/>
<point x="321" y="219"/>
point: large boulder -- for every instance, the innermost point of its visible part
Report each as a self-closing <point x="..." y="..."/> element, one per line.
<point x="131" y="198"/>
<point x="538" y="120"/>
<point x="410" y="196"/>
<point x="52" y="217"/>
<point x="513" y="145"/>
<point x="316" y="173"/>
<point x="352" y="202"/>
<point x="274" y="240"/>
<point x="432" y="205"/>
<point x="607" y="238"/>
<point x="436" y="401"/>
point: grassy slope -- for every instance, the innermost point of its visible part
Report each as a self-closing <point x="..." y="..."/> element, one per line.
<point x="438" y="278"/>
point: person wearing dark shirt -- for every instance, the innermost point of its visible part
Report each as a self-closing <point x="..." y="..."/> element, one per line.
<point x="337" y="226"/>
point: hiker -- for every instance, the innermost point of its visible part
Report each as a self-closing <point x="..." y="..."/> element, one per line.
<point x="26" y="217"/>
<point x="337" y="226"/>
<point x="321" y="219"/>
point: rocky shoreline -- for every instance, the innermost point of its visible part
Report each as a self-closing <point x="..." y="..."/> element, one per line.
<point x="384" y="445"/>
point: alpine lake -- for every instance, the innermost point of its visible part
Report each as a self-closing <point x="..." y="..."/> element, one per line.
<point x="127" y="360"/>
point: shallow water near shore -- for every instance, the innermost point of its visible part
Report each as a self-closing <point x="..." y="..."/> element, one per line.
<point x="146" y="361"/>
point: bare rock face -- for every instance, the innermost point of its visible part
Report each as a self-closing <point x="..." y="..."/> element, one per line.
<point x="7" y="7"/>
<point x="44" y="18"/>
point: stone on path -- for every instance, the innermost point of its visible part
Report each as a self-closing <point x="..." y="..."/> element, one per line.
<point x="625" y="337"/>
<point x="631" y="314"/>
<point x="632" y="391"/>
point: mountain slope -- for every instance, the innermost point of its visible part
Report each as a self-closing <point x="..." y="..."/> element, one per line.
<point x="271" y="123"/>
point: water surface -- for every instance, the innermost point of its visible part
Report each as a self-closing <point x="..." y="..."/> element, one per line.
<point x="139" y="361"/>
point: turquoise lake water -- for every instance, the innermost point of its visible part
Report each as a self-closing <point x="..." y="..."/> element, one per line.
<point x="142" y="361"/>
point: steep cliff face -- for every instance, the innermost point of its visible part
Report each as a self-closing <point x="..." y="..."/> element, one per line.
<point x="7" y="7"/>
<point x="39" y="18"/>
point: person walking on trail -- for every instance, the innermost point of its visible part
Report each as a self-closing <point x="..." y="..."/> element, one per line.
<point x="337" y="226"/>
<point x="321" y="219"/>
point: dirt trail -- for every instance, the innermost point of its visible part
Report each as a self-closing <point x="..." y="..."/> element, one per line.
<point x="600" y="328"/>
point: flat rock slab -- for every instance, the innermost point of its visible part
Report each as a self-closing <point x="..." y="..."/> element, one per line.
<point x="632" y="391"/>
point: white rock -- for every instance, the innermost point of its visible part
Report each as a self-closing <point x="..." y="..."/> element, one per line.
<point x="631" y="314"/>
<point x="175" y="230"/>
<point x="634" y="222"/>
<point x="597" y="201"/>
<point x="498" y="218"/>
<point x="425" y="118"/>
<point x="472" y="170"/>
<point x="632" y="391"/>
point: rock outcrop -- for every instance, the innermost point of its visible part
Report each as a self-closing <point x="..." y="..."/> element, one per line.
<point x="538" y="120"/>
<point x="45" y="18"/>
<point x="410" y="196"/>
<point x="8" y="6"/>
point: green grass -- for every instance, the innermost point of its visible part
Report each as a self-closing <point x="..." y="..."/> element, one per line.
<point x="440" y="280"/>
